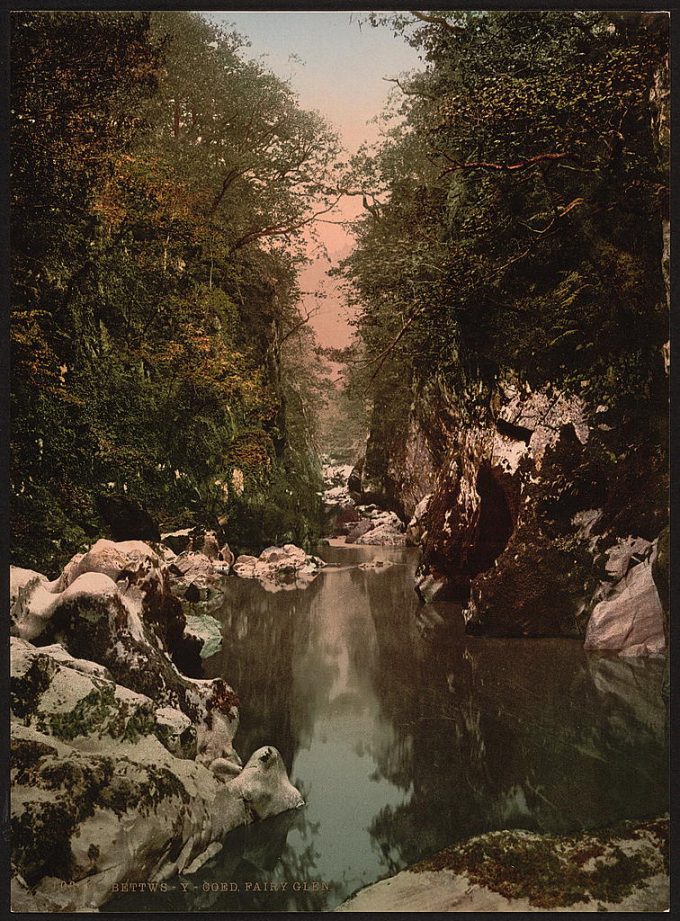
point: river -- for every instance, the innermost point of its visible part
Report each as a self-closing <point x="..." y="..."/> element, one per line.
<point x="405" y="735"/>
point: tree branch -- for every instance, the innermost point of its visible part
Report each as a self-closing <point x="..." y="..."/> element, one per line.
<point x="408" y="92"/>
<point x="276" y="230"/>
<point x="297" y="326"/>
<point x="381" y="358"/>
<point x="504" y="167"/>
<point x="438" y="21"/>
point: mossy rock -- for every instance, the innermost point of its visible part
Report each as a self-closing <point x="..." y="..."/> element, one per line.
<point x="555" y="872"/>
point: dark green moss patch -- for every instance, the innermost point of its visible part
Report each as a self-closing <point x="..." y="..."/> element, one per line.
<point x="25" y="692"/>
<point x="554" y="872"/>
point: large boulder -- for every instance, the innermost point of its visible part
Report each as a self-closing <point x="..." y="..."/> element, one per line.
<point x="123" y="769"/>
<point x="384" y="535"/>
<point x="84" y="820"/>
<point x="620" y="869"/>
<point x="142" y="579"/>
<point x="94" y="620"/>
<point x="630" y="619"/>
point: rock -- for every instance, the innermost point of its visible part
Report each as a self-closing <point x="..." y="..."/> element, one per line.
<point x="127" y="519"/>
<point x="264" y="786"/>
<point x="620" y="556"/>
<point x="178" y="541"/>
<point x="344" y="520"/>
<point x="122" y="767"/>
<point x="630" y="620"/>
<point x="18" y="578"/>
<point x="227" y="556"/>
<point x="206" y="630"/>
<point x="83" y="821"/>
<point x="279" y="567"/>
<point x="94" y="621"/>
<point x="432" y="586"/>
<point x="354" y="480"/>
<point x="363" y="527"/>
<point x="195" y="576"/>
<point x="211" y="851"/>
<point x="143" y="581"/>
<point x="223" y="767"/>
<point x="384" y="535"/>
<point x="376" y="564"/>
<point x="174" y="730"/>
<point x="620" y="869"/>
<point x="416" y="526"/>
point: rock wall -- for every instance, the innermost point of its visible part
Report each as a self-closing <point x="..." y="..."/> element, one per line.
<point x="532" y="493"/>
<point x="520" y="499"/>
<point x="123" y="768"/>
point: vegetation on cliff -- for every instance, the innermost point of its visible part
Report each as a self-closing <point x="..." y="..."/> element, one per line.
<point x="514" y="224"/>
<point x="161" y="185"/>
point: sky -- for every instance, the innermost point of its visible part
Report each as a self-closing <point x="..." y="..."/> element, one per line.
<point x="337" y="67"/>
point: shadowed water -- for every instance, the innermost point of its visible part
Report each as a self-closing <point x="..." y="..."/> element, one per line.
<point x="405" y="735"/>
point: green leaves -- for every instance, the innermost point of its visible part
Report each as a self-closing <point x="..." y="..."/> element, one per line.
<point x="517" y="210"/>
<point x="161" y="186"/>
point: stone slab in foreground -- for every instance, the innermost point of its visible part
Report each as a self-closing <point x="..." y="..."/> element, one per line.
<point x="620" y="869"/>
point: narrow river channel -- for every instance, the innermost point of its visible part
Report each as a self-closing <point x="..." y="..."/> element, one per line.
<point x="405" y="735"/>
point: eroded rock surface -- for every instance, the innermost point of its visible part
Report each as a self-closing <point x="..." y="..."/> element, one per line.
<point x="123" y="768"/>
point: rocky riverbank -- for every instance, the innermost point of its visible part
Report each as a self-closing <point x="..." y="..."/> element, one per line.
<point x="356" y="523"/>
<point x="122" y="759"/>
<point x="619" y="869"/>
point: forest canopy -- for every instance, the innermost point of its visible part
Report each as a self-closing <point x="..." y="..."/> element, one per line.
<point x="514" y="224"/>
<point x="161" y="186"/>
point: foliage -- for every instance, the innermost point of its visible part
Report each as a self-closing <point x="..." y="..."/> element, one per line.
<point x="161" y="185"/>
<point x="515" y="223"/>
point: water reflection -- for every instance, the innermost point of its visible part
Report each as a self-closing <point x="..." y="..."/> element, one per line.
<point x="405" y="735"/>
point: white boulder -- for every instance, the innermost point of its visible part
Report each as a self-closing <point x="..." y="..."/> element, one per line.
<point x="630" y="619"/>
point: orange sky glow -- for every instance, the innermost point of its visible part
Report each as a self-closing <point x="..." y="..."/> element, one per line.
<point x="336" y="63"/>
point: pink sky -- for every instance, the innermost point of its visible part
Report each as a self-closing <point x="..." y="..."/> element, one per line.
<point x="337" y="67"/>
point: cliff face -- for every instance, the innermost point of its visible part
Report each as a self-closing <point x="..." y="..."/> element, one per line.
<point x="545" y="508"/>
<point x="531" y="505"/>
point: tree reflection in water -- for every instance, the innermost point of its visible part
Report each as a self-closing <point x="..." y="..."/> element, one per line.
<point x="405" y="735"/>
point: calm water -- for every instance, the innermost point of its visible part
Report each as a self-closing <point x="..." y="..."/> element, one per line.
<point x="405" y="735"/>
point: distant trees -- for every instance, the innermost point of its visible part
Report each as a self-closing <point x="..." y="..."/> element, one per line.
<point x="160" y="188"/>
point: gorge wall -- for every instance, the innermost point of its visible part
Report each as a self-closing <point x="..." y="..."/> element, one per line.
<point x="543" y="508"/>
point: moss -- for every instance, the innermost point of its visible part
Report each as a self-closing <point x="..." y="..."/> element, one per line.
<point x="89" y="715"/>
<point x="25" y="756"/>
<point x="25" y="692"/>
<point x="553" y="872"/>
<point x="40" y="838"/>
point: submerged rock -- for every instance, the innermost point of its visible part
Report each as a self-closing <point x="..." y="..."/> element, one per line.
<point x="376" y="564"/>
